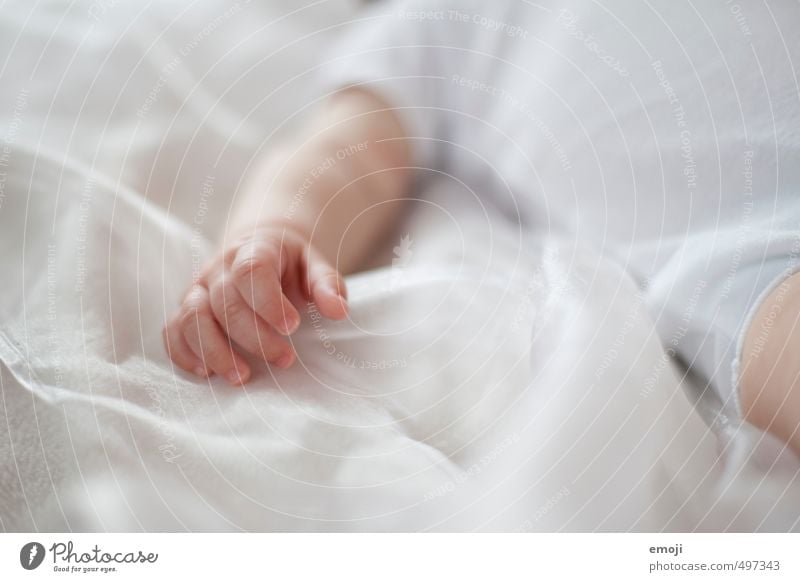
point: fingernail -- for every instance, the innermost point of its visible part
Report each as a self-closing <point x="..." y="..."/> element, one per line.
<point x="235" y="377"/>
<point x="332" y="289"/>
<point x="285" y="360"/>
<point x="200" y="371"/>
<point x="292" y="323"/>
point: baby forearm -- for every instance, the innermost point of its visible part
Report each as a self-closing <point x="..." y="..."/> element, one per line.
<point x="333" y="181"/>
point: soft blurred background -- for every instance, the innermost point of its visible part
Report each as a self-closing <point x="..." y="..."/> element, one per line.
<point x="161" y="95"/>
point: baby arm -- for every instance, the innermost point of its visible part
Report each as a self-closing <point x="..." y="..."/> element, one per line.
<point x="770" y="378"/>
<point x="285" y="243"/>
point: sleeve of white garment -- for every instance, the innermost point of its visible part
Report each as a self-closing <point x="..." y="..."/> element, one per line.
<point x="706" y="298"/>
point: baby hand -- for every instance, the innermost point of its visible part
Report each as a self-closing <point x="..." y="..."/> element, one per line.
<point x="243" y="296"/>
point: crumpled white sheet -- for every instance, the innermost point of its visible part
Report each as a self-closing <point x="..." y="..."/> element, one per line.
<point x="487" y="380"/>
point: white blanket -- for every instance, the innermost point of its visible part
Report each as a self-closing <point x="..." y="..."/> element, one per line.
<point x="486" y="380"/>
